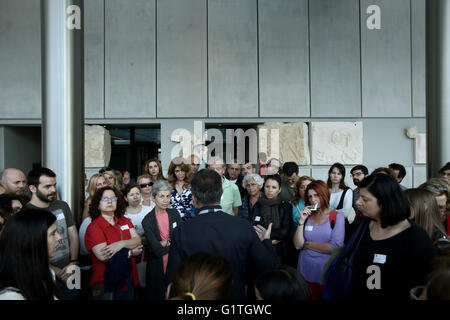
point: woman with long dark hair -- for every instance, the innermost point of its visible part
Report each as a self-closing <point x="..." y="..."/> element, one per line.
<point x="341" y="196"/>
<point x="154" y="169"/>
<point x="28" y="241"/>
<point x="394" y="253"/>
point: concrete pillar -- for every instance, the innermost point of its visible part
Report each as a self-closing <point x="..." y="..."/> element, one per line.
<point x="62" y="36"/>
<point x="438" y="84"/>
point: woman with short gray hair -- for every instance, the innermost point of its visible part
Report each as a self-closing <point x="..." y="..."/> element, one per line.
<point x="158" y="227"/>
<point x="252" y="183"/>
<point x="160" y="185"/>
<point x="256" y="178"/>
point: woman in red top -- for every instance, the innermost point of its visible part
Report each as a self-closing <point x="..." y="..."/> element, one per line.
<point x="107" y="235"/>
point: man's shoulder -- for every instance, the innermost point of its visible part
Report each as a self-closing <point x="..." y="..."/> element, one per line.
<point x="227" y="185"/>
<point x="59" y="204"/>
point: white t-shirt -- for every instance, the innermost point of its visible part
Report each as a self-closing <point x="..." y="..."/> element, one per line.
<point x="347" y="209"/>
<point x="136" y="218"/>
<point x="82" y="233"/>
<point x="11" y="293"/>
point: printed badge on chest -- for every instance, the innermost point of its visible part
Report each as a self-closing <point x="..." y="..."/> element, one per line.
<point x="379" y="258"/>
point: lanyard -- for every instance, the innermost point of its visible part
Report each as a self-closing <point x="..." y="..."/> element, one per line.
<point x="210" y="210"/>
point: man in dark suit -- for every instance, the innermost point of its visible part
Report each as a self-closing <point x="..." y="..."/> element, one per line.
<point x="219" y="233"/>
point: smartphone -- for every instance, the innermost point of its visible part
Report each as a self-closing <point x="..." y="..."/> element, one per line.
<point x="313" y="208"/>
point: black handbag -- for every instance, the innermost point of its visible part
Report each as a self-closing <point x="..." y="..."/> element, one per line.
<point x="341" y="275"/>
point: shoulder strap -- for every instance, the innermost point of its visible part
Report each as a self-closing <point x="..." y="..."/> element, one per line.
<point x="341" y="201"/>
<point x="353" y="243"/>
<point x="333" y="215"/>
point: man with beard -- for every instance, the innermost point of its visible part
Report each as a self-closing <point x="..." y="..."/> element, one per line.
<point x="42" y="185"/>
<point x="358" y="173"/>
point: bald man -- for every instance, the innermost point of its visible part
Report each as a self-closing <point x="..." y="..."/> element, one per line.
<point x="15" y="181"/>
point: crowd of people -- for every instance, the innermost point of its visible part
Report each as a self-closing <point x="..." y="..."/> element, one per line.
<point x="229" y="231"/>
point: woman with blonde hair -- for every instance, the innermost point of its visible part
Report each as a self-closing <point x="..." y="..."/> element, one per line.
<point x="440" y="189"/>
<point x="425" y="212"/>
<point x="154" y="169"/>
<point x="96" y="181"/>
<point x="202" y="277"/>
<point x="112" y="180"/>
<point x="179" y="175"/>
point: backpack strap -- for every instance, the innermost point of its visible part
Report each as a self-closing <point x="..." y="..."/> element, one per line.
<point x="333" y="215"/>
<point x="341" y="201"/>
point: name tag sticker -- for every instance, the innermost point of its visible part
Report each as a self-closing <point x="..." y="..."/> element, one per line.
<point x="174" y="225"/>
<point x="309" y="228"/>
<point x="125" y="227"/>
<point x="60" y="216"/>
<point x="379" y="258"/>
<point x="257" y="218"/>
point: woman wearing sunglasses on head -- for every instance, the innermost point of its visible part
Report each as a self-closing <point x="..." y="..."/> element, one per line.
<point x="112" y="242"/>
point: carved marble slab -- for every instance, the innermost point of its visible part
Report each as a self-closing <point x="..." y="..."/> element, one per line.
<point x="285" y="141"/>
<point x="336" y="142"/>
<point x="97" y="146"/>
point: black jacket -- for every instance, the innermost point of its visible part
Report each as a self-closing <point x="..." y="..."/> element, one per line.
<point x="221" y="234"/>
<point x="285" y="211"/>
<point x="154" y="274"/>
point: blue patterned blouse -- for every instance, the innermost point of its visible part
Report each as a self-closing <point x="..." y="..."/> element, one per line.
<point x="182" y="202"/>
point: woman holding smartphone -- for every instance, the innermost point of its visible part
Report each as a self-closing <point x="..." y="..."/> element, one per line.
<point x="319" y="230"/>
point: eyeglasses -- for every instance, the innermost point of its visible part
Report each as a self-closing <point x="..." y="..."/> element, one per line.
<point x="416" y="292"/>
<point x="107" y="199"/>
<point x="356" y="174"/>
<point x="145" y="185"/>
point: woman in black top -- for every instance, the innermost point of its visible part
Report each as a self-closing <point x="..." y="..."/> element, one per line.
<point x="395" y="254"/>
<point x="271" y="209"/>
